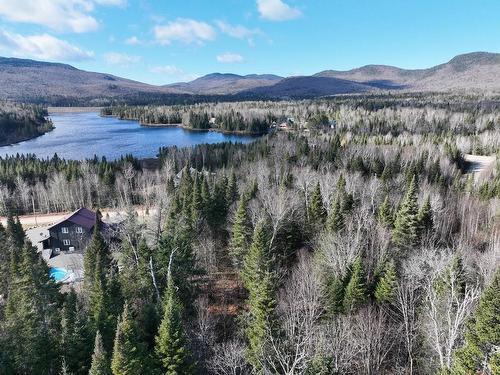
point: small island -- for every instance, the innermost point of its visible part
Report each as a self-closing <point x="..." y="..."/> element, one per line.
<point x="20" y="122"/>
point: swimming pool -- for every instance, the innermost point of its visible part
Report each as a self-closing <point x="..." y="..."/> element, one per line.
<point x="58" y="274"/>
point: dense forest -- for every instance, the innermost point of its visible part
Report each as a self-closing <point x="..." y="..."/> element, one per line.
<point x="373" y="114"/>
<point x="359" y="246"/>
<point x="244" y="118"/>
<point x="19" y="122"/>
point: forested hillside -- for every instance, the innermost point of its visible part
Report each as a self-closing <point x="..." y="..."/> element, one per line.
<point x="360" y="246"/>
<point x="19" y="122"/>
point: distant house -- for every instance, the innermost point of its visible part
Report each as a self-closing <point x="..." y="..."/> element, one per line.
<point x="71" y="234"/>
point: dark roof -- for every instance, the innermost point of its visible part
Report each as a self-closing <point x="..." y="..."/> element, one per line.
<point x="83" y="217"/>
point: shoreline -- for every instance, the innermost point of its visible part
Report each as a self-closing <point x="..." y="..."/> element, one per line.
<point x="27" y="138"/>
<point x="228" y="132"/>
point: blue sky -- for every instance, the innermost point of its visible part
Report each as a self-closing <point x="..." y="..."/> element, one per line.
<point x="164" y="41"/>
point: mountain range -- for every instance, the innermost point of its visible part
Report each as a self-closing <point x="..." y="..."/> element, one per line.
<point x="37" y="81"/>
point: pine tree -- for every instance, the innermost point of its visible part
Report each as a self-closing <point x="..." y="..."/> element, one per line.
<point x="384" y="215"/>
<point x="205" y="194"/>
<point x="171" y="344"/>
<point x="102" y="286"/>
<point x="317" y="212"/>
<point x="241" y="233"/>
<point x="232" y="189"/>
<point x="424" y="217"/>
<point x="183" y="266"/>
<point x="4" y="262"/>
<point x="75" y="337"/>
<point x="259" y="280"/>
<point x="406" y="225"/>
<point x="253" y="190"/>
<point x="128" y="355"/>
<point x="31" y="321"/>
<point x="480" y="354"/>
<point x="335" y="295"/>
<point x="100" y="362"/>
<point x="336" y="218"/>
<point x="97" y="246"/>
<point x="196" y="203"/>
<point x="355" y="292"/>
<point x="385" y="290"/>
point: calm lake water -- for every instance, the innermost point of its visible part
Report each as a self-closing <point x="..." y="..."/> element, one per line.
<point x="80" y="136"/>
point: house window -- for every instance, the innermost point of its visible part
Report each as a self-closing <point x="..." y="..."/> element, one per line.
<point x="66" y="242"/>
<point x="79" y="230"/>
<point x="64" y="230"/>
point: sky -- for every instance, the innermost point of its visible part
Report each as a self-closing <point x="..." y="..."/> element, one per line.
<point x="165" y="41"/>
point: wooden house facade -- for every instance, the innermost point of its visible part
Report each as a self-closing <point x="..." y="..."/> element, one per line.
<point x="71" y="234"/>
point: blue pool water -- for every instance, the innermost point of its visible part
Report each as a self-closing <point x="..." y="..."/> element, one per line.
<point x="58" y="274"/>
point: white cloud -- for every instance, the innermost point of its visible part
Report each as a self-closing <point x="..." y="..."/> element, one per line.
<point x="59" y="15"/>
<point x="118" y="3"/>
<point x="43" y="46"/>
<point x="230" y="58"/>
<point x="166" y="69"/>
<point x="173" y="73"/>
<point x="115" y="58"/>
<point x="133" y="41"/>
<point x="184" y="30"/>
<point x="277" y="10"/>
<point x="237" y="31"/>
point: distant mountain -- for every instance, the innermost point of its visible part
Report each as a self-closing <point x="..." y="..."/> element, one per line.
<point x="224" y="84"/>
<point x="476" y="71"/>
<point x="29" y="80"/>
<point x="36" y="81"/>
<point x="309" y="87"/>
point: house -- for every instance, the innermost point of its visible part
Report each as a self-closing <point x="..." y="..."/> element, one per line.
<point x="71" y="234"/>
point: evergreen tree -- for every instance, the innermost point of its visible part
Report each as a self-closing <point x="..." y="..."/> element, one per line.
<point x="252" y="191"/>
<point x="355" y="291"/>
<point x="386" y="288"/>
<point x="335" y="295"/>
<point x="424" y="217"/>
<point x="317" y="212"/>
<point x="128" y="357"/>
<point x="196" y="204"/>
<point x="258" y="278"/>
<point x="31" y="320"/>
<point x="5" y="262"/>
<point x="406" y="225"/>
<point x="241" y="232"/>
<point x="480" y="353"/>
<point x="384" y="215"/>
<point x="205" y="194"/>
<point x="183" y="266"/>
<point x="100" y="362"/>
<point x="171" y="344"/>
<point x="232" y="189"/>
<point x="336" y="218"/>
<point x="102" y="284"/>
<point x="96" y="247"/>
<point x="75" y="336"/>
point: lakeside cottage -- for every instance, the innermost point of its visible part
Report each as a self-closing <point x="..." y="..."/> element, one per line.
<point x="71" y="234"/>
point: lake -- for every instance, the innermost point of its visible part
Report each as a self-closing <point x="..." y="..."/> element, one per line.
<point x="80" y="136"/>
